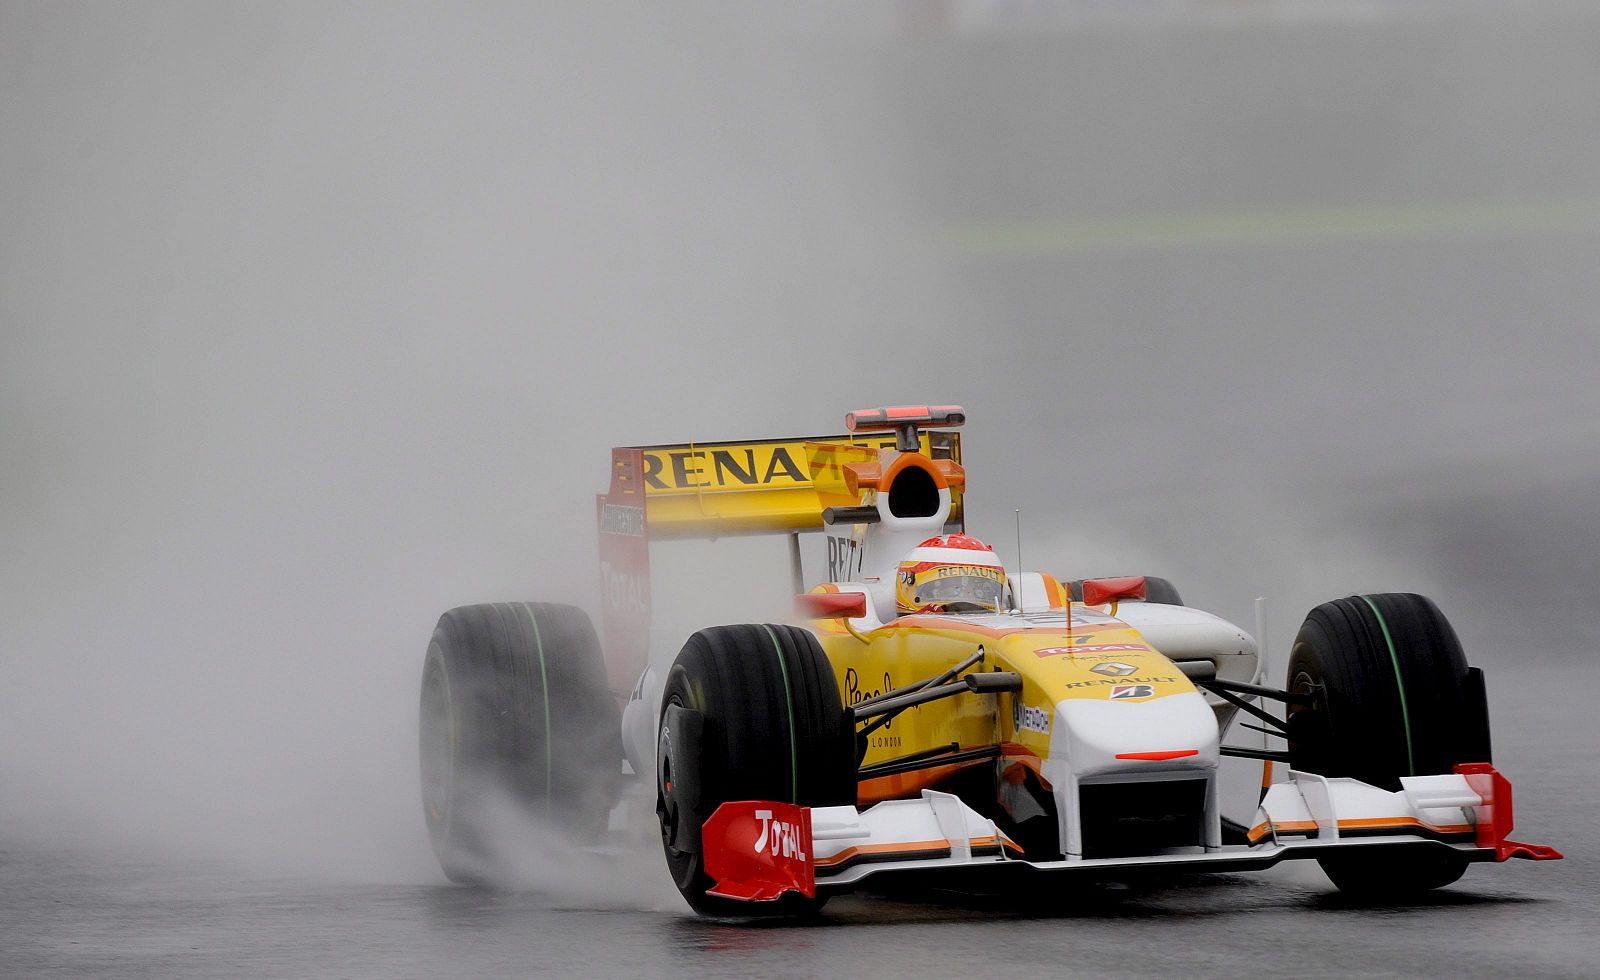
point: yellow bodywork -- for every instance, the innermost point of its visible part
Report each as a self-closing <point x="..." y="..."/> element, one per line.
<point x="781" y="485"/>
<point x="1097" y="657"/>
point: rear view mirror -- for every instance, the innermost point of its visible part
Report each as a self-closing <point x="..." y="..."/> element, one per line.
<point x="1099" y="591"/>
<point x="835" y="605"/>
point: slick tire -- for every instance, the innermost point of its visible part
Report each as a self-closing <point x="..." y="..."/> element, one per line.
<point x="1155" y="590"/>
<point x="749" y="712"/>
<point x="1388" y="693"/>
<point x="518" y="734"/>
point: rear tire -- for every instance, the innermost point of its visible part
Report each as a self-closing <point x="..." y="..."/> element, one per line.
<point x="1390" y="695"/>
<point x="1155" y="590"/>
<point x="516" y="726"/>
<point x="749" y="712"/>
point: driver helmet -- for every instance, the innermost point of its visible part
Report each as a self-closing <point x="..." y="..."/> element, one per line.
<point x="950" y="573"/>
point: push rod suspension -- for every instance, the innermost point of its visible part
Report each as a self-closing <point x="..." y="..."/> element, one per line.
<point x="885" y="706"/>
<point x="1266" y="755"/>
<point x="1265" y="731"/>
<point x="895" y="766"/>
<point x="943" y="678"/>
<point x="917" y="756"/>
<point x="900" y="702"/>
<point x="1246" y="706"/>
<point x="1218" y="685"/>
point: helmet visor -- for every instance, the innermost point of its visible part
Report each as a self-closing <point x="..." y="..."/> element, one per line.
<point x="980" y="587"/>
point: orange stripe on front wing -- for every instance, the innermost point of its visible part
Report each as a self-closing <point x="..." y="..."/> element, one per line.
<point x="1364" y="823"/>
<point x="904" y="847"/>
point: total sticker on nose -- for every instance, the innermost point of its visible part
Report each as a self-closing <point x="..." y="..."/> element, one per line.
<point x="1091" y="648"/>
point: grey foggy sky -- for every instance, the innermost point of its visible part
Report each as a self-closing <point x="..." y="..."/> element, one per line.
<point x="317" y="320"/>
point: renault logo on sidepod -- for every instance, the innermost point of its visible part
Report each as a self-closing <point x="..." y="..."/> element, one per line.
<point x="1114" y="669"/>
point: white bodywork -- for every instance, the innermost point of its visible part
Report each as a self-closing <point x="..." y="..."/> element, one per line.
<point x="1088" y="736"/>
<point x="1444" y="805"/>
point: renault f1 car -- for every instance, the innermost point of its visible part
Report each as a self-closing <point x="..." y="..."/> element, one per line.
<point x="930" y="713"/>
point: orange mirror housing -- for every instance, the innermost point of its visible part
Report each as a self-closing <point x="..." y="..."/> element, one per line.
<point x="861" y="476"/>
<point x="1099" y="591"/>
<point x="834" y="605"/>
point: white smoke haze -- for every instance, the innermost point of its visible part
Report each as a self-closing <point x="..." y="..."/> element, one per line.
<point x="621" y="869"/>
<point x="319" y="320"/>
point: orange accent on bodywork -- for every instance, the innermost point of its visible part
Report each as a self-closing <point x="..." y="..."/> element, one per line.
<point x="1369" y="823"/>
<point x="909" y="461"/>
<point x="1054" y="593"/>
<point x="1261" y="830"/>
<point x="861" y="476"/>
<point x="1158" y="756"/>
<point x="861" y="849"/>
<point x="1364" y="823"/>
<point x="905" y="847"/>
<point x="1019" y="759"/>
<point x="904" y="784"/>
<point x="954" y="475"/>
<point x="950" y="624"/>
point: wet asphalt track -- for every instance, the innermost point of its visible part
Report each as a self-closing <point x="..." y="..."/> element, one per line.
<point x="69" y="912"/>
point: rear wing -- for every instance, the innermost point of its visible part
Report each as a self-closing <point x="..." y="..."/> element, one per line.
<point x="717" y="489"/>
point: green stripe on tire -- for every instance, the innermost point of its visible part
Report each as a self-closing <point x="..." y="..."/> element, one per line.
<point x="788" y="700"/>
<point x="544" y="689"/>
<point x="1399" y="683"/>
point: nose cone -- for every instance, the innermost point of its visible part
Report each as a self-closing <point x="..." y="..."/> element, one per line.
<point x="1126" y="733"/>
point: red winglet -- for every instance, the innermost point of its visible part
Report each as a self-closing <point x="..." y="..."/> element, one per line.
<point x="758" y="850"/>
<point x="1495" y="816"/>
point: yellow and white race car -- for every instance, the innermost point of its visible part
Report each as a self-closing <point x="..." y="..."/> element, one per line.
<point x="932" y="713"/>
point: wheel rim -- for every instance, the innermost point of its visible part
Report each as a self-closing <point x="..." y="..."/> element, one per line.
<point x="666" y="804"/>
<point x="438" y="738"/>
<point x="1306" y="723"/>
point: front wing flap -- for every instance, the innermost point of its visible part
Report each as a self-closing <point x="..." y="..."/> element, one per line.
<point x="759" y="851"/>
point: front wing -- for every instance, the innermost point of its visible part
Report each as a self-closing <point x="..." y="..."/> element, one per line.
<point x="760" y="850"/>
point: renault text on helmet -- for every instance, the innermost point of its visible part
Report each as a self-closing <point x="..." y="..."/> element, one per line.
<point x="950" y="573"/>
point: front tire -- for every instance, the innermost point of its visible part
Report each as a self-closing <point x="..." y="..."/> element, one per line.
<point x="749" y="712"/>
<point x="516" y="726"/>
<point x="1388" y="693"/>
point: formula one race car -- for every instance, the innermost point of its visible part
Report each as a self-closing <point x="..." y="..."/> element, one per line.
<point x="941" y="716"/>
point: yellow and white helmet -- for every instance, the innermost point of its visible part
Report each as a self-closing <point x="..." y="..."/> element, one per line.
<point x="950" y="573"/>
